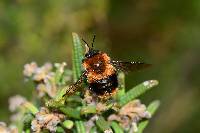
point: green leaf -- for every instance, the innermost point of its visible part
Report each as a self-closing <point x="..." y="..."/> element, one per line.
<point x="74" y="99"/>
<point x="30" y="107"/>
<point x="60" y="93"/>
<point x="121" y="80"/>
<point x="59" y="73"/>
<point x="71" y="112"/>
<point x="77" y="57"/>
<point x="153" y="106"/>
<point x="80" y="127"/>
<point x="117" y="129"/>
<point x="102" y="124"/>
<point x="28" y="131"/>
<point x="55" y="103"/>
<point x="93" y="129"/>
<point x="88" y="110"/>
<point x="60" y="130"/>
<point x="137" y="91"/>
<point x="27" y="119"/>
<point x="68" y="124"/>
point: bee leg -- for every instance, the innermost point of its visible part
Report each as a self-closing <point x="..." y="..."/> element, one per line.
<point x="74" y="87"/>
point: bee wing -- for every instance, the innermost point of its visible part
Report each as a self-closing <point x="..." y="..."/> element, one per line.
<point x="74" y="87"/>
<point x="129" y="66"/>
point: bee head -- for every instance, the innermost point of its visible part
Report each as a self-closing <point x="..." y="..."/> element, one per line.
<point x="89" y="51"/>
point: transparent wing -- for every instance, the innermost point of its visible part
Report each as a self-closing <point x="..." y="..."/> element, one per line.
<point x="129" y="66"/>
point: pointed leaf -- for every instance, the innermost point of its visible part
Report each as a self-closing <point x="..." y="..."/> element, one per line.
<point x="151" y="109"/>
<point x="77" y="57"/>
<point x="102" y="124"/>
<point x="29" y="106"/>
<point x="117" y="129"/>
<point x="80" y="127"/>
<point x="91" y="109"/>
<point x="70" y="112"/>
<point x="121" y="91"/>
<point x="137" y="91"/>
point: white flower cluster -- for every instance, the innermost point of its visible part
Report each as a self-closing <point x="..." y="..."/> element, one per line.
<point x="45" y="77"/>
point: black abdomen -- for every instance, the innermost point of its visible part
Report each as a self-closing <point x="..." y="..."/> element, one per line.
<point x="103" y="86"/>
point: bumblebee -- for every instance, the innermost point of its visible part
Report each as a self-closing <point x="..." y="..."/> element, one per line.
<point x="100" y="72"/>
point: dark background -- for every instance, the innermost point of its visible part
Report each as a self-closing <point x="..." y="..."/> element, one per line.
<point x="165" y="33"/>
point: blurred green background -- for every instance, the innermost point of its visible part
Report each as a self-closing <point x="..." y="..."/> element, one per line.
<point x="165" y="33"/>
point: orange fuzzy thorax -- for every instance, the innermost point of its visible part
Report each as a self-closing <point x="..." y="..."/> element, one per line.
<point x="102" y="62"/>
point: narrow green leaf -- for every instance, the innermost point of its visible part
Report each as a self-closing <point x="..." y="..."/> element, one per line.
<point x="59" y="73"/>
<point x="80" y="127"/>
<point x="151" y="109"/>
<point x="77" y="56"/>
<point x="93" y="129"/>
<point x="117" y="129"/>
<point x="102" y="124"/>
<point x="74" y="99"/>
<point x="60" y="130"/>
<point x="55" y="103"/>
<point x="137" y="91"/>
<point x="88" y="110"/>
<point x="121" y="91"/>
<point x="28" y="131"/>
<point x="71" y="112"/>
<point x="68" y="124"/>
<point x="153" y="106"/>
<point x="30" y="107"/>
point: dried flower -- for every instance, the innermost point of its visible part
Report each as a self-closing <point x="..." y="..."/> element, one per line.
<point x="5" y="129"/>
<point x="41" y="72"/>
<point x="41" y="89"/>
<point x="108" y="131"/>
<point x="29" y="69"/>
<point x="88" y="98"/>
<point x="135" y="110"/>
<point x="45" y="119"/>
<point x="15" y="102"/>
<point x="50" y="84"/>
<point x="100" y="107"/>
<point x="90" y="123"/>
<point x="130" y="114"/>
<point x="60" y="66"/>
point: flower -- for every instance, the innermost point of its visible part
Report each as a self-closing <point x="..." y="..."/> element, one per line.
<point x="37" y="73"/>
<point x="15" y="102"/>
<point x="130" y="114"/>
<point x="5" y="129"/>
<point x="41" y="89"/>
<point x="50" y="84"/>
<point x="90" y="123"/>
<point x="40" y="73"/>
<point x="135" y="110"/>
<point x="47" y="120"/>
<point x="29" y="69"/>
<point x="60" y="66"/>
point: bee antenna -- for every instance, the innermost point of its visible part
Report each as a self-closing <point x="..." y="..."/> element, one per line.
<point x="85" y="42"/>
<point x="93" y="41"/>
